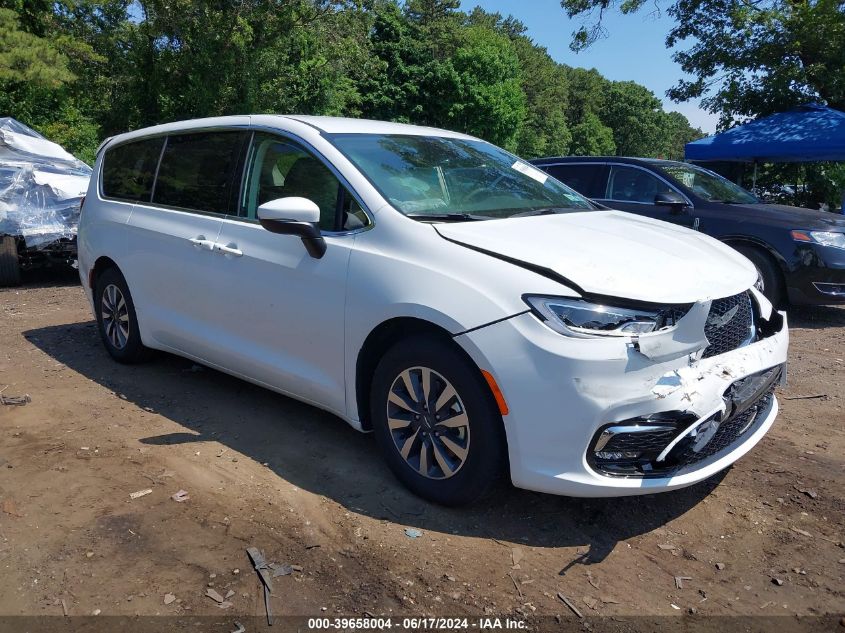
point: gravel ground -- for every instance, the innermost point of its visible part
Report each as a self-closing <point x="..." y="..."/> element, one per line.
<point x="764" y="538"/>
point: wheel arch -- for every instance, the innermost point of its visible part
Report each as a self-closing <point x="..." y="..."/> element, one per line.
<point x="780" y="268"/>
<point x="381" y="339"/>
<point x="768" y="249"/>
<point x="102" y="264"/>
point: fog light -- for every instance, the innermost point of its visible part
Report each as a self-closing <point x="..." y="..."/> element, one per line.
<point x="832" y="290"/>
<point x="617" y="455"/>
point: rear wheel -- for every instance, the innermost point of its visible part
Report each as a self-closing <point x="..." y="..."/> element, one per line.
<point x="116" y="318"/>
<point x="435" y="421"/>
<point x="770" y="279"/>
<point x="10" y="268"/>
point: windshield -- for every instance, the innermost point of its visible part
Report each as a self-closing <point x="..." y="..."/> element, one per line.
<point x="455" y="179"/>
<point x="708" y="185"/>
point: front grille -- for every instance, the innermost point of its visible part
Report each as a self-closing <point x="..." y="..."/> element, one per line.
<point x="729" y="432"/>
<point x="729" y="325"/>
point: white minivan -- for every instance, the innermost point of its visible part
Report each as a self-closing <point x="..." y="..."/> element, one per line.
<point x="473" y="312"/>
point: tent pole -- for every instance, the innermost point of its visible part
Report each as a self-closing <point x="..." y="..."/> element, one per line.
<point x="754" y="179"/>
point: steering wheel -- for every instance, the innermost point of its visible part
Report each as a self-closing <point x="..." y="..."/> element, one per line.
<point x="484" y="188"/>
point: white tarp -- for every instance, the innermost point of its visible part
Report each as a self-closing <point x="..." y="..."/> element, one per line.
<point x="41" y="186"/>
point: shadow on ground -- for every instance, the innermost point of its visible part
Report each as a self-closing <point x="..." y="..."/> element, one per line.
<point x="56" y="276"/>
<point x="816" y="317"/>
<point x="320" y="453"/>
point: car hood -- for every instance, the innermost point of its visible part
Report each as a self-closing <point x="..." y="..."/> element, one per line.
<point x="613" y="253"/>
<point x="790" y="217"/>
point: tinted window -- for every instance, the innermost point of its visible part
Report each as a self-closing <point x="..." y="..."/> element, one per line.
<point x="281" y="169"/>
<point x="630" y="184"/>
<point x="707" y="184"/>
<point x="582" y="178"/>
<point x="199" y="171"/>
<point x="129" y="169"/>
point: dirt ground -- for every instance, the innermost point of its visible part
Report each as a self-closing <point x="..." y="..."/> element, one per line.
<point x="764" y="538"/>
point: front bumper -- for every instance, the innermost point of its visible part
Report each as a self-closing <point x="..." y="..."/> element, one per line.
<point x="819" y="276"/>
<point x="561" y="392"/>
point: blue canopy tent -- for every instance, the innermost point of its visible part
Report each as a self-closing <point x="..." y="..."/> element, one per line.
<point x="808" y="133"/>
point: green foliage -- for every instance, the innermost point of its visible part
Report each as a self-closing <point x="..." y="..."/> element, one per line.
<point x="747" y="57"/>
<point x="756" y="58"/>
<point x="545" y="84"/>
<point x="487" y="99"/>
<point x="73" y="131"/>
<point x="81" y="70"/>
<point x="25" y="57"/>
<point x="676" y="132"/>
<point x="635" y="116"/>
<point x="591" y="137"/>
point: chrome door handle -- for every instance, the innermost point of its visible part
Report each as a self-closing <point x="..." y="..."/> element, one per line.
<point x="229" y="250"/>
<point x="202" y="243"/>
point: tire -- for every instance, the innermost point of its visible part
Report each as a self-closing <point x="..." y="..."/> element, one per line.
<point x="116" y="319"/>
<point x="462" y="461"/>
<point x="769" y="274"/>
<point x="10" y="267"/>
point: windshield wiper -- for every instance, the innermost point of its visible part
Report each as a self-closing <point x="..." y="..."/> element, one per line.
<point x="543" y="211"/>
<point x="448" y="217"/>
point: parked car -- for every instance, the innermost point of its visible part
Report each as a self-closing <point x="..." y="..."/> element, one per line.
<point x="799" y="253"/>
<point x="41" y="188"/>
<point x="477" y="315"/>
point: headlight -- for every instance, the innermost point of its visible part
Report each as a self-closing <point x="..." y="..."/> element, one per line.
<point x="825" y="238"/>
<point x="575" y="317"/>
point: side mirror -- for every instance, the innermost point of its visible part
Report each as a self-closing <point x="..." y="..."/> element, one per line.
<point x="294" y="216"/>
<point x="670" y="199"/>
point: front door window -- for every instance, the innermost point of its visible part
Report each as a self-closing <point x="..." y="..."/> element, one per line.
<point x="282" y="169"/>
<point x="629" y="184"/>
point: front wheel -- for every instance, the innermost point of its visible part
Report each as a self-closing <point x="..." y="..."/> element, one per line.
<point x="116" y="319"/>
<point x="436" y="422"/>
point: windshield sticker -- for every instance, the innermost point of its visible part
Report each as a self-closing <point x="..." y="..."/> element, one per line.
<point x="531" y="172"/>
<point x="686" y="178"/>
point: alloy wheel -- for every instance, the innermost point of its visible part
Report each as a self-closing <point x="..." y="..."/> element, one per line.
<point x="428" y="423"/>
<point x="115" y="315"/>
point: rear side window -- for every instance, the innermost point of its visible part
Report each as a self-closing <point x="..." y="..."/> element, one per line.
<point x="200" y="171"/>
<point x="585" y="179"/>
<point x="129" y="169"/>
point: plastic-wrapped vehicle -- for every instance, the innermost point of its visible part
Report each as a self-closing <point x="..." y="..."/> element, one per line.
<point x="41" y="190"/>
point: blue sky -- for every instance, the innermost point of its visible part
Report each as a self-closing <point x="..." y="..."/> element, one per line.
<point x="633" y="49"/>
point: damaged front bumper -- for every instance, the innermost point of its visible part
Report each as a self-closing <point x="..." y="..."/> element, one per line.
<point x="573" y="402"/>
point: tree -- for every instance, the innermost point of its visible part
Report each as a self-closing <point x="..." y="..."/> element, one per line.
<point x="428" y="12"/>
<point x="545" y="84"/>
<point x="436" y="71"/>
<point x="675" y="133"/>
<point x="81" y="70"/>
<point x="489" y="101"/>
<point x="393" y="91"/>
<point x="591" y="137"/>
<point x="587" y="92"/>
<point x="635" y="116"/>
<point x="748" y="57"/>
<point x="25" y="57"/>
